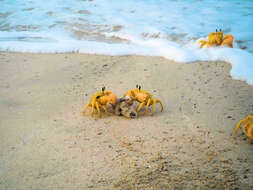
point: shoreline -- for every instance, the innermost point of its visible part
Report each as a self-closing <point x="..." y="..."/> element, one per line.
<point x="241" y="74"/>
<point x="46" y="143"/>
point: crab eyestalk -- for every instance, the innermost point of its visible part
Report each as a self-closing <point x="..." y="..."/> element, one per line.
<point x="138" y="87"/>
<point x="103" y="88"/>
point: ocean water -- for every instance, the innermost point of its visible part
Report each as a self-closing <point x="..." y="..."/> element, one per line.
<point x="168" y="28"/>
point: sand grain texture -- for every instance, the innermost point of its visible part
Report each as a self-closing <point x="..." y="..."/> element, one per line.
<point x="46" y="143"/>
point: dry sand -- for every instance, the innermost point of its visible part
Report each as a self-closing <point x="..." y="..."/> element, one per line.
<point x="46" y="143"/>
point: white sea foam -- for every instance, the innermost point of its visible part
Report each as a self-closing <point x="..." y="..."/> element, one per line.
<point x="151" y="27"/>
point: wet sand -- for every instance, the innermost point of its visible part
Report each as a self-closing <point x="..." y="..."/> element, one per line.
<point x="46" y="143"/>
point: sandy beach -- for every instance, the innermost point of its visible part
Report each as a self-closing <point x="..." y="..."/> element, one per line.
<point x="46" y="142"/>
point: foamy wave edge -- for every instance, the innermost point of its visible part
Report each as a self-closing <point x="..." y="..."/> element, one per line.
<point x="242" y="67"/>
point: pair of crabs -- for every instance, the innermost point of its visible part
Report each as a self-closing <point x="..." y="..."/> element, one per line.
<point x="217" y="39"/>
<point x="102" y="97"/>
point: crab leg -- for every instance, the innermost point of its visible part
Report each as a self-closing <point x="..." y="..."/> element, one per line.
<point x="161" y="104"/>
<point x="238" y="126"/>
<point x="154" y="105"/>
<point x="140" y="106"/>
<point x="97" y="107"/>
<point x="250" y="131"/>
<point x="92" y="108"/>
<point x="245" y="128"/>
<point x="149" y="100"/>
<point x="86" y="107"/>
<point x="208" y="45"/>
<point x="203" y="43"/>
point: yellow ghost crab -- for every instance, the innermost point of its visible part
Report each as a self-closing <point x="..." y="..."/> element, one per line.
<point x="214" y="39"/>
<point x="217" y="39"/>
<point x="247" y="126"/>
<point x="99" y="100"/>
<point x="143" y="97"/>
